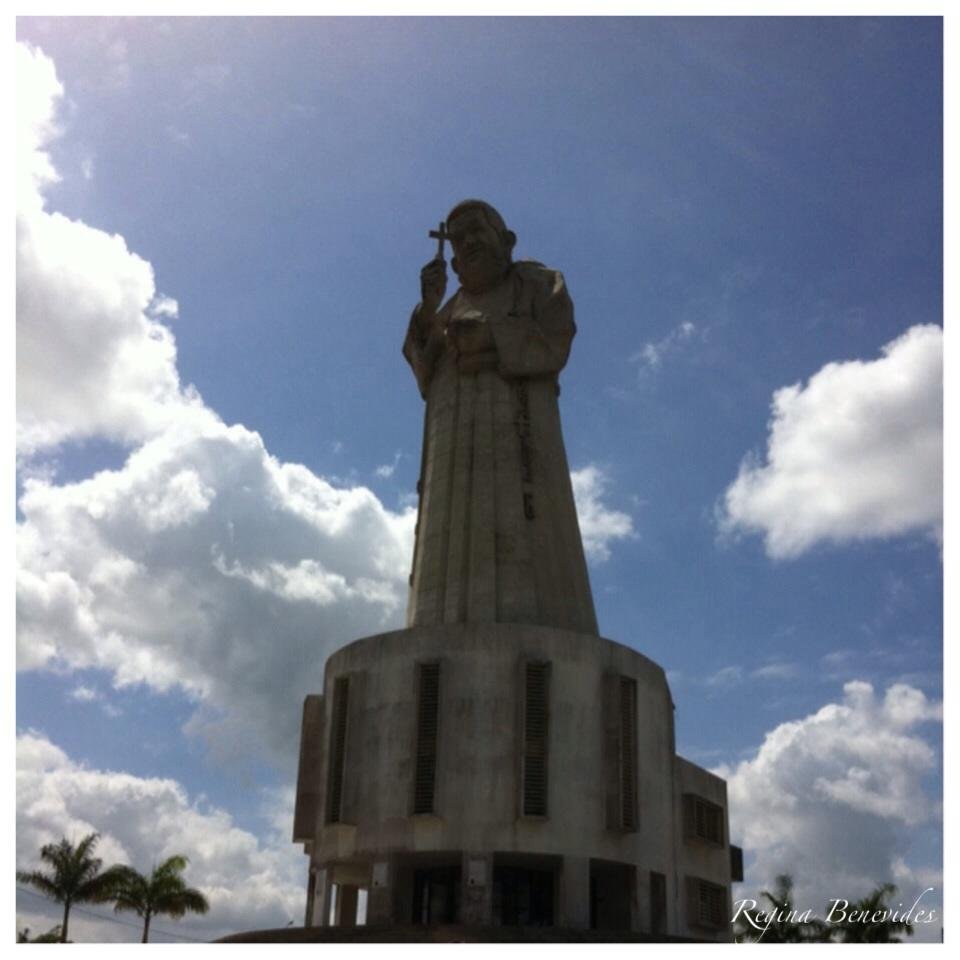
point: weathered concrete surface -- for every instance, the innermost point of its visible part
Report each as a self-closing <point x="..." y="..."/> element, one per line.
<point x="309" y="800"/>
<point x="478" y="789"/>
<point x="497" y="532"/>
<point x="477" y="812"/>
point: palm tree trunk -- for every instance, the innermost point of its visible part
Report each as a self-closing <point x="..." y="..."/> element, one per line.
<point x="146" y="927"/>
<point x="66" y="920"/>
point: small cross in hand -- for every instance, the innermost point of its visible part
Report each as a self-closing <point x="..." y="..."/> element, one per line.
<point x="440" y="234"/>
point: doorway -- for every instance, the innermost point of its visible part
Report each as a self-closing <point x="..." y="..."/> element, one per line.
<point x="436" y="895"/>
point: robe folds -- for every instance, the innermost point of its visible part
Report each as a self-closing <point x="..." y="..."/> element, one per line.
<point x="497" y="535"/>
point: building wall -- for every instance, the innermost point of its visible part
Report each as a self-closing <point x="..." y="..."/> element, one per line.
<point x="477" y="813"/>
<point x="309" y="773"/>
<point x="699" y="858"/>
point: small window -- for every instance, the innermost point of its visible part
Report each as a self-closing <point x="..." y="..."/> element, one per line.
<point x="535" y="738"/>
<point x="428" y="710"/>
<point x="338" y="745"/>
<point x="707" y="903"/>
<point x="703" y="820"/>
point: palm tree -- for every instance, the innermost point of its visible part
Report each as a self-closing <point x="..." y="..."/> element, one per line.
<point x="787" y="924"/>
<point x="880" y="931"/>
<point x="163" y="892"/>
<point x="76" y="876"/>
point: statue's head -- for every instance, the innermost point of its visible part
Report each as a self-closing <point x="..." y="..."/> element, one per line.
<point x="482" y="245"/>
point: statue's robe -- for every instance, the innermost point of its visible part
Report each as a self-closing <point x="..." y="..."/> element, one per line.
<point x="497" y="533"/>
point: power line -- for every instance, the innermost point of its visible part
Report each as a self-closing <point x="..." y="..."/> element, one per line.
<point x="101" y="916"/>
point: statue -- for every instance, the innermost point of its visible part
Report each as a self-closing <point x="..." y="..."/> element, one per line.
<point x="499" y="724"/>
<point x="497" y="534"/>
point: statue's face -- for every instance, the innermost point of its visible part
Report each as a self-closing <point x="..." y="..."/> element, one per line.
<point x="481" y="256"/>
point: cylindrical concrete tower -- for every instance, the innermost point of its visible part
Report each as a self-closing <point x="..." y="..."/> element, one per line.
<point x="498" y="762"/>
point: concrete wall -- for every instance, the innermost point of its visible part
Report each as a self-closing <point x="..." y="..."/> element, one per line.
<point x="309" y="771"/>
<point x="478" y="789"/>
<point x="699" y="858"/>
<point x="478" y="778"/>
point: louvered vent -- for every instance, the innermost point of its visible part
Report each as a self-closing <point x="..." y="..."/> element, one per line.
<point x="338" y="744"/>
<point x="535" y="731"/>
<point x="628" y="753"/>
<point x="703" y="820"/>
<point x="428" y="708"/>
<point x="710" y="905"/>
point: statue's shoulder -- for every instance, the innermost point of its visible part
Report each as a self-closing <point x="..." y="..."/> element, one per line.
<point x="534" y="270"/>
<point x="538" y="279"/>
<point x="536" y="274"/>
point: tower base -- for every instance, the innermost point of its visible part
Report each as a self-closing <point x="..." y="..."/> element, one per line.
<point x="501" y="775"/>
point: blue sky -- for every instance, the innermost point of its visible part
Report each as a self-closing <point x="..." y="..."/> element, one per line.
<point x="218" y="440"/>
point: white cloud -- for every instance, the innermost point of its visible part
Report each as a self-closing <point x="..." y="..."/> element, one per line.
<point x="857" y="453"/>
<point x="725" y="677"/>
<point x="775" y="671"/>
<point x="202" y="563"/>
<point x="599" y="525"/>
<point x="85" y="694"/>
<point x="205" y="564"/>
<point x="386" y="470"/>
<point x="38" y="91"/>
<point x="90" y="360"/>
<point x="164" y="307"/>
<point x="651" y="354"/>
<point x="834" y="798"/>
<point x="142" y="821"/>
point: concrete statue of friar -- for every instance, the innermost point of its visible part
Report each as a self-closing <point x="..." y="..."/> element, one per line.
<point x="497" y="763"/>
<point x="497" y="534"/>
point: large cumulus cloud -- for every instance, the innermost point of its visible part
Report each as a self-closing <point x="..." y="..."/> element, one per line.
<point x="92" y="356"/>
<point x="207" y="564"/>
<point x="834" y="798"/>
<point x="856" y="453"/>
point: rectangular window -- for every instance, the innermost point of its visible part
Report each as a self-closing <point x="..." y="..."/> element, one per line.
<point x="702" y="819"/>
<point x="708" y="905"/>
<point x="535" y="737"/>
<point x="628" y="753"/>
<point x="428" y="709"/>
<point x="338" y="746"/>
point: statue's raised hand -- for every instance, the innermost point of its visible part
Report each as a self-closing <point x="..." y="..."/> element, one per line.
<point x="433" y="285"/>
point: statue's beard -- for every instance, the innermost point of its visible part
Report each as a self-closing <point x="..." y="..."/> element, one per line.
<point x="483" y="271"/>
